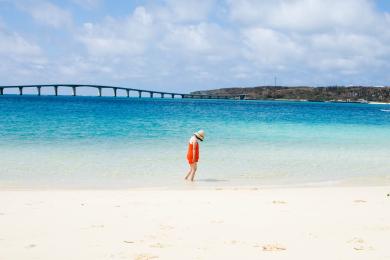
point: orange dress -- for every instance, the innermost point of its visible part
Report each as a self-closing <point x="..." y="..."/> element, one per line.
<point x="193" y="147"/>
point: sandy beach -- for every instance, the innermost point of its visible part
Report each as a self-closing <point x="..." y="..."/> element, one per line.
<point x="223" y="223"/>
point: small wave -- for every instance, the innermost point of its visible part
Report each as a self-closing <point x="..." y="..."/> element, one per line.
<point x="385" y="110"/>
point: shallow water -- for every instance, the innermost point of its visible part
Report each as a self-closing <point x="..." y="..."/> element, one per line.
<point x="106" y="142"/>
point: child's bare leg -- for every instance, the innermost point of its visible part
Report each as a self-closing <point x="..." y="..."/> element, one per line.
<point x="194" y="167"/>
<point x="188" y="174"/>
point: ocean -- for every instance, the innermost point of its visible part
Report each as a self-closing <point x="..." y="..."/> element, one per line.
<point x="106" y="142"/>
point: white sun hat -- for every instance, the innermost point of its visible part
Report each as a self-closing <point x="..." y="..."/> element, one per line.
<point x="200" y="134"/>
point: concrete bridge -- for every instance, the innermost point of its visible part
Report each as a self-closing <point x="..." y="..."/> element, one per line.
<point x="141" y="92"/>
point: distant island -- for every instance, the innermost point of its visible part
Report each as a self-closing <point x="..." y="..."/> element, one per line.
<point x="359" y="94"/>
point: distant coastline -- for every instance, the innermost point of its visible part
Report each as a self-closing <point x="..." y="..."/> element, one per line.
<point x="337" y="94"/>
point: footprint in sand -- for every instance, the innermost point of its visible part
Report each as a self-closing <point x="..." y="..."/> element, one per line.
<point x="273" y="247"/>
<point x="151" y="237"/>
<point x="358" y="244"/>
<point x="166" y="227"/>
<point x="157" y="245"/>
<point x="97" y="226"/>
<point x="145" y="257"/>
<point x="311" y="235"/>
<point x="279" y="202"/>
<point x="31" y="246"/>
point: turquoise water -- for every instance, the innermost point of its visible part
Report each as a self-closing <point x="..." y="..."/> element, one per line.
<point x="92" y="142"/>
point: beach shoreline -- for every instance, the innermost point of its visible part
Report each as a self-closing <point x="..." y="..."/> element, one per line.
<point x="200" y="183"/>
<point x="216" y="223"/>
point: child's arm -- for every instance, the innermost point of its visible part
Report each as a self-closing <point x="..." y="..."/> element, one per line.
<point x="194" y="151"/>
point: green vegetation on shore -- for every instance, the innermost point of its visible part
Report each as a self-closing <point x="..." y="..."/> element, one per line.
<point x="337" y="94"/>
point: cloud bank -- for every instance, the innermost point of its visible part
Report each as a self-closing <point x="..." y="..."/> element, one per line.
<point x="188" y="45"/>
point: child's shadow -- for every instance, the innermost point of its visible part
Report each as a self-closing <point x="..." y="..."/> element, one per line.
<point x="211" y="180"/>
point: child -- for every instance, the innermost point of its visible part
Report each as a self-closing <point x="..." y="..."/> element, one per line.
<point x="193" y="153"/>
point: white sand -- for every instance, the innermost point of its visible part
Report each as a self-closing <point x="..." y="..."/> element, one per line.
<point x="302" y="223"/>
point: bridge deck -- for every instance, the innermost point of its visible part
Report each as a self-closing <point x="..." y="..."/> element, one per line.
<point x="115" y="89"/>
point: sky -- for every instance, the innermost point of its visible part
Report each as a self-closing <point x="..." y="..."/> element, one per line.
<point x="181" y="46"/>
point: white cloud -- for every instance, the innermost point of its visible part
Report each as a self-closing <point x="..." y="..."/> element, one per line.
<point x="152" y="47"/>
<point x="189" y="10"/>
<point x="88" y="4"/>
<point x="20" y="57"/>
<point x="188" y="38"/>
<point x="47" y="13"/>
<point x="349" y="45"/>
<point x="301" y="38"/>
<point x="118" y="37"/>
<point x="171" y="44"/>
<point x="199" y="39"/>
<point x="270" y="47"/>
<point x="305" y="15"/>
<point x="13" y="45"/>
<point x="295" y="38"/>
<point x="347" y="53"/>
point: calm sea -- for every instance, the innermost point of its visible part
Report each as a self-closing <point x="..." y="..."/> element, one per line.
<point x="92" y="142"/>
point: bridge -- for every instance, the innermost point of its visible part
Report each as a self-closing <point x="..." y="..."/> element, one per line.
<point x="141" y="92"/>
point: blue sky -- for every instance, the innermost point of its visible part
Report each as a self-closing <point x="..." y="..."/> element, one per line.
<point x="195" y="44"/>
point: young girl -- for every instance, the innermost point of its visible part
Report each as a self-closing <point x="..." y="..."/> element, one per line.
<point x="193" y="153"/>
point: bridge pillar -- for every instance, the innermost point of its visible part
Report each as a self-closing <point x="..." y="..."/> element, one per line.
<point x="139" y="94"/>
<point x="56" y="90"/>
<point x="74" y="91"/>
<point x="151" y="94"/>
<point x="162" y="95"/>
<point x="173" y="95"/>
<point x="128" y="93"/>
<point x="20" y="90"/>
<point x="182" y="96"/>
<point x="100" y="92"/>
<point x="1" y="91"/>
<point x="115" y="92"/>
<point x="39" y="91"/>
